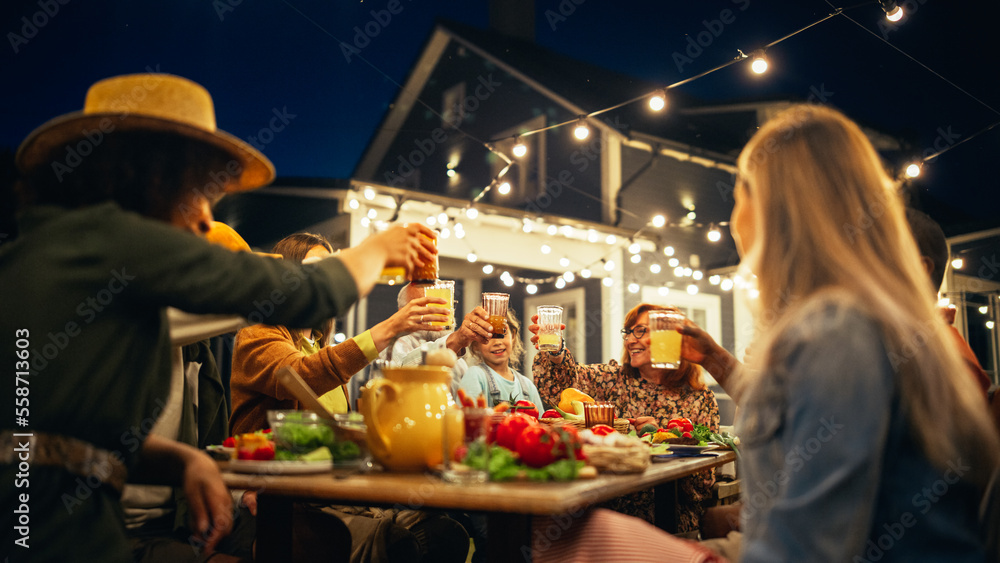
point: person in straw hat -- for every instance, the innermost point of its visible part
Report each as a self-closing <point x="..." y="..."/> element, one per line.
<point x="107" y="194"/>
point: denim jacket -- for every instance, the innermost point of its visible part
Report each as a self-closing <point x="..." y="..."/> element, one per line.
<point x="830" y="471"/>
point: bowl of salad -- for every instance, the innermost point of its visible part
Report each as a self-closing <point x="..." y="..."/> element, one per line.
<point x="305" y="435"/>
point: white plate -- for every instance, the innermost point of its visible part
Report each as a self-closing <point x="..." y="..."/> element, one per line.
<point x="275" y="467"/>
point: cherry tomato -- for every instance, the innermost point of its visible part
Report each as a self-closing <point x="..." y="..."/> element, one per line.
<point x="229" y="442"/>
<point x="551" y="413"/>
<point x="526" y="407"/>
<point x="511" y="427"/>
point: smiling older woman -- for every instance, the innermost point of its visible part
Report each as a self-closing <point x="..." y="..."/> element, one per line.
<point x="638" y="389"/>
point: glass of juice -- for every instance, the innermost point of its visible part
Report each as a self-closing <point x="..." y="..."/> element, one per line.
<point x="550" y="328"/>
<point x="445" y="289"/>
<point x="429" y="272"/>
<point x="496" y="307"/>
<point x="665" y="341"/>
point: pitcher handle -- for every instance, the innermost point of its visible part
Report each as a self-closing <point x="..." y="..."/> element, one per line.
<point x="371" y="408"/>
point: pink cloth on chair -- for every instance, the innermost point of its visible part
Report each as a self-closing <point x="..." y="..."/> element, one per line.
<point x="603" y="535"/>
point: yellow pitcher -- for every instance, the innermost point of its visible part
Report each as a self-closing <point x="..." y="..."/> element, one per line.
<point x="405" y="412"/>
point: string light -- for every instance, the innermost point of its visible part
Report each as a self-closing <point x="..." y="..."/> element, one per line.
<point x="472" y="257"/>
<point x="487" y="269"/>
<point x="611" y="239"/>
<point x="673" y="262"/>
<point x="658" y="101"/>
<point x="608" y="282"/>
<point x="726" y="284"/>
<point x="984" y="309"/>
<point x="560" y="283"/>
<point x="957" y="263"/>
<point x="581" y="131"/>
<point x="893" y="11"/>
<point x="369" y="193"/>
<point x="989" y="325"/>
<point x="564" y="262"/>
<point x="546" y="249"/>
<point x="552" y="230"/>
<point x="635" y="259"/>
<point x="504" y="188"/>
<point x="531" y="288"/>
<point x="569" y="277"/>
<point x="585" y="273"/>
<point x="654" y="268"/>
<point x="609" y="265"/>
<point x="353" y="203"/>
<point x="472" y="213"/>
<point x="759" y="64"/>
<point x="634" y="248"/>
<point x="659" y="221"/>
<point x="520" y="149"/>
<point x="692" y="289"/>
<point x="451" y="173"/>
<point x="668" y="251"/>
<point x="633" y="288"/>
<point x="912" y="171"/>
<point x="714" y="234"/>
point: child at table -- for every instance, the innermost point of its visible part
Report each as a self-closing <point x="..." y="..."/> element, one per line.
<point x="496" y="376"/>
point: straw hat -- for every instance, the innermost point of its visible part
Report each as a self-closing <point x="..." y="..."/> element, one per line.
<point x="143" y="102"/>
<point x="224" y="235"/>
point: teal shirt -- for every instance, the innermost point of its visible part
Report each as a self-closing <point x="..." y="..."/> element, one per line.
<point x="85" y="291"/>
<point x="475" y="382"/>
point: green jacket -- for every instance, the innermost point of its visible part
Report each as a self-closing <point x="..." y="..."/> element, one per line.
<point x="84" y="292"/>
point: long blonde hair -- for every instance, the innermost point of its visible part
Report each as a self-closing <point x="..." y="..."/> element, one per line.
<point x="830" y="224"/>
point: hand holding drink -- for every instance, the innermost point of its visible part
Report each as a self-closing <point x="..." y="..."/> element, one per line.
<point x="664" y="340"/>
<point x="443" y="289"/>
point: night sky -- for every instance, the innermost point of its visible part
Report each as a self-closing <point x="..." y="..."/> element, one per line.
<point x="260" y="58"/>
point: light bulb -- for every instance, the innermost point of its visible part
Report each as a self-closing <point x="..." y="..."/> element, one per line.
<point x="569" y="277"/>
<point x="668" y="251"/>
<point x="585" y="273"/>
<point x="445" y="233"/>
<point x="633" y="288"/>
<point x="353" y="203"/>
<point x="472" y="257"/>
<point x="692" y="289"/>
<point x="451" y="173"/>
<point x="957" y="263"/>
<point x="365" y="221"/>
<point x="636" y="258"/>
<point x="609" y="265"/>
<point x="592" y="235"/>
<point x="697" y="274"/>
<point x="634" y="248"/>
<point x="581" y="131"/>
<point x="504" y="188"/>
<point x="369" y="194"/>
<point x="531" y="288"/>
<point x="726" y="284"/>
<point x="659" y="221"/>
<point x="714" y="280"/>
<point x="508" y="282"/>
<point x="560" y="283"/>
<point x="487" y="269"/>
<point x="372" y="214"/>
<point x="678" y="272"/>
<point x="608" y="282"/>
<point x="658" y="102"/>
<point x="432" y="220"/>
<point x="655" y="268"/>
<point x="989" y="325"/>
<point x="520" y="149"/>
<point x="546" y="249"/>
<point x="759" y="64"/>
<point x="673" y="262"/>
<point x="611" y="239"/>
<point x="443" y="218"/>
<point x="984" y="309"/>
<point x="552" y="230"/>
<point x="895" y="15"/>
<point x="472" y="213"/>
<point x="715" y="235"/>
<point x="339" y="337"/>
<point x="663" y="291"/>
<point x="526" y="227"/>
<point x="912" y="171"/>
<point x="564" y="262"/>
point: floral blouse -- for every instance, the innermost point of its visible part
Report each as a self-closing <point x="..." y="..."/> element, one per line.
<point x="635" y="397"/>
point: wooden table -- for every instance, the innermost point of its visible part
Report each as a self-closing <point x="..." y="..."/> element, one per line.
<point x="509" y="506"/>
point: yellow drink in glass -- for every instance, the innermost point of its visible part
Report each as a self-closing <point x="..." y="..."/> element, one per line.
<point x="665" y="348"/>
<point x="549" y="342"/>
<point x="446" y="292"/>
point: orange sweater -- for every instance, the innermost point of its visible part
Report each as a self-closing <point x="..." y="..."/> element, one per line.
<point x="260" y="351"/>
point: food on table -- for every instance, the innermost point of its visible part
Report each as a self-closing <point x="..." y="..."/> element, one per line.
<point x="525" y="407"/>
<point x="254" y="446"/>
<point x="551" y="413"/>
<point x="539" y="454"/>
<point x="503" y="406"/>
<point x="442" y="356"/>
<point x="615" y="452"/>
<point x="601" y="429"/>
<point x="298" y="434"/>
<point x="682" y="432"/>
<point x="511" y="427"/>
<point x="571" y="394"/>
<point x="535" y="447"/>
<point x="647" y="428"/>
<point x="568" y="415"/>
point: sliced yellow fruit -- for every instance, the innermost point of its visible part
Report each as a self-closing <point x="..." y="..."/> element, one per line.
<point x="571" y="394"/>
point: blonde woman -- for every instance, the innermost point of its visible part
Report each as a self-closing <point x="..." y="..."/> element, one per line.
<point x="862" y="440"/>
